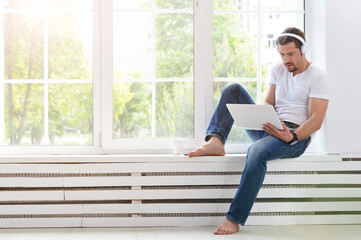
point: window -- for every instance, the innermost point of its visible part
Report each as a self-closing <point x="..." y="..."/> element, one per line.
<point x="46" y="87"/>
<point x="153" y="69"/>
<point x="151" y="75"/>
<point x="130" y="75"/>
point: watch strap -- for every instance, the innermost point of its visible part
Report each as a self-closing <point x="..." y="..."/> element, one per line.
<point x="295" y="138"/>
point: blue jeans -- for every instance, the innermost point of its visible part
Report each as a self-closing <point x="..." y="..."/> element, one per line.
<point x="264" y="148"/>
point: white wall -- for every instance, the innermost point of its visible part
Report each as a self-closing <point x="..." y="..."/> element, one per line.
<point x="343" y="65"/>
<point x="316" y="38"/>
<point x="333" y="30"/>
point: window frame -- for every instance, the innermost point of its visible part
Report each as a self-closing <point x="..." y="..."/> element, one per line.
<point x="102" y="89"/>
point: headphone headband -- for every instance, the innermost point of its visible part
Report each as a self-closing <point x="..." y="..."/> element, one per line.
<point x="294" y="36"/>
<point x="304" y="47"/>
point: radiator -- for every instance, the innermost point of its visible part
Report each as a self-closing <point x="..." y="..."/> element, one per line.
<point x="174" y="191"/>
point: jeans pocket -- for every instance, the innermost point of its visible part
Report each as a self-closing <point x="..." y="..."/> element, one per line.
<point x="299" y="149"/>
<point x="295" y="153"/>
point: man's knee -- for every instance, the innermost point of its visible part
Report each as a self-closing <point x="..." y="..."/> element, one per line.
<point x="234" y="88"/>
<point x="257" y="153"/>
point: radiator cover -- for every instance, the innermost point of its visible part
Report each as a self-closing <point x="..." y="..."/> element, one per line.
<point x="174" y="191"/>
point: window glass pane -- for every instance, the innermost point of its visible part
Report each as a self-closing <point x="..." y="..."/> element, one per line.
<point x="70" y="46"/>
<point x="237" y="135"/>
<point x="37" y="4"/>
<point x="75" y="4"/>
<point x="24" y="114"/>
<point x="71" y="114"/>
<point x="235" y="5"/>
<point x="174" y="45"/>
<point x="153" y="69"/>
<point x="48" y="4"/>
<point x="40" y="109"/>
<point x="132" y="4"/>
<point x="174" y="109"/>
<point x="174" y="4"/>
<point x="264" y="88"/>
<point x="132" y="110"/>
<point x="235" y="45"/>
<point x="23" y="46"/>
<point x="282" y="5"/>
<point x="133" y="45"/>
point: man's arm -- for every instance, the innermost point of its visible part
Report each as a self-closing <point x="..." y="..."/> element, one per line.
<point x="316" y="108"/>
<point x="270" y="95"/>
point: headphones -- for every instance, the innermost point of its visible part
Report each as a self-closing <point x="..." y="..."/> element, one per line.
<point x="304" y="47"/>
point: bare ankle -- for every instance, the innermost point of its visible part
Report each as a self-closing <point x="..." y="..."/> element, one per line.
<point x="216" y="140"/>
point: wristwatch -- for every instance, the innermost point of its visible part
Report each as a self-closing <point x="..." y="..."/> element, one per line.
<point x="294" y="139"/>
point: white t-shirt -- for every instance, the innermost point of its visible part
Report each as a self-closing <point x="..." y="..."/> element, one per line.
<point x="293" y="92"/>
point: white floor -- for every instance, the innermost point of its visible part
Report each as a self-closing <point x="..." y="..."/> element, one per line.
<point x="309" y="232"/>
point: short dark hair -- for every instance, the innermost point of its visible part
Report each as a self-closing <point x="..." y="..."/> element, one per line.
<point x="283" y="40"/>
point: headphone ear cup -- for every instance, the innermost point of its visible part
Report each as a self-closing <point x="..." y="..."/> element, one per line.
<point x="304" y="48"/>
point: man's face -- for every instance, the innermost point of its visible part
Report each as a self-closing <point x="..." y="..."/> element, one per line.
<point x="291" y="56"/>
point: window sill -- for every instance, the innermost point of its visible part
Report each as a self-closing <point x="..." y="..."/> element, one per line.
<point x="151" y="158"/>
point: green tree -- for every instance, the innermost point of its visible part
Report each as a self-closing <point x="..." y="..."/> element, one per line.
<point x="70" y="105"/>
<point x="132" y="110"/>
<point x="174" y="110"/>
<point x="23" y="60"/>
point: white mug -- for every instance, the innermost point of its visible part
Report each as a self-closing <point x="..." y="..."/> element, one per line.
<point x="177" y="146"/>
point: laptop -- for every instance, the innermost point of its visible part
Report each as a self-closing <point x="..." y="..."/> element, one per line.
<point x="253" y="116"/>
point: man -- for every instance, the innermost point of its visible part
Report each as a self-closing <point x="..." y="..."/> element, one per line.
<point x="298" y="91"/>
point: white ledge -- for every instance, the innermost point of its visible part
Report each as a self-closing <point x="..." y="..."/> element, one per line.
<point x="149" y="158"/>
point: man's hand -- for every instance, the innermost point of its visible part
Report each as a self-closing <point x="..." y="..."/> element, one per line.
<point x="285" y="134"/>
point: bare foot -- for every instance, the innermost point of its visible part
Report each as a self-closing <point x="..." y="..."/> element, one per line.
<point x="227" y="227"/>
<point x="214" y="147"/>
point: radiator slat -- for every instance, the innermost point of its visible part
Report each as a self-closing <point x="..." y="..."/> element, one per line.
<point x="31" y="182"/>
<point x="40" y="168"/>
<point x="31" y="195"/>
<point x="42" y="209"/>
<point x="177" y="208"/>
<point x="211" y="193"/>
<point x="175" y="180"/>
<point x="41" y="223"/>
<point x="223" y="207"/>
<point x="177" y="194"/>
<point x="211" y="180"/>
<point x="289" y="165"/>
<point x="279" y="165"/>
